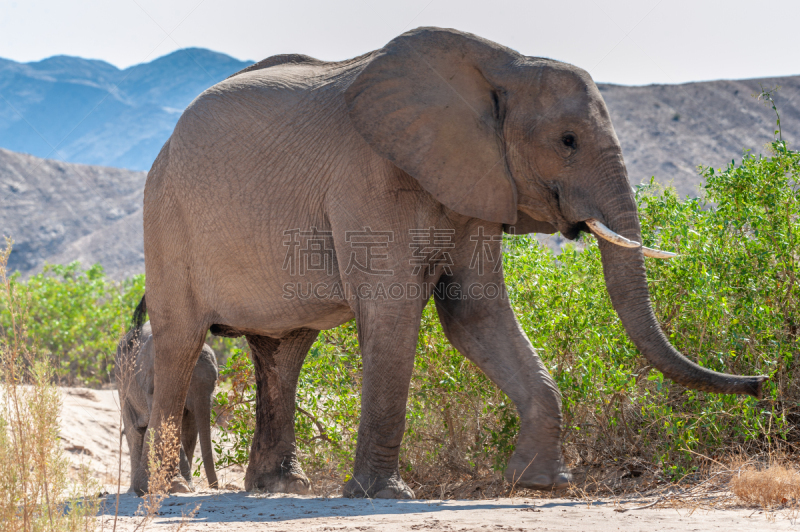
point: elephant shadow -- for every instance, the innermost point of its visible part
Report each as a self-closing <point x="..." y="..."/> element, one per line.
<point x="225" y="506"/>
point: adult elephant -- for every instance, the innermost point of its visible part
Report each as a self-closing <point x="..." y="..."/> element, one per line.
<point x="298" y="194"/>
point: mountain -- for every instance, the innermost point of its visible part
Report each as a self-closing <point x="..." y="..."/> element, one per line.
<point x="60" y="212"/>
<point x="90" y="112"/>
<point x="666" y="131"/>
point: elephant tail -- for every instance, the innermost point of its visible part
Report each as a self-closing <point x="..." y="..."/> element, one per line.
<point x="139" y="316"/>
<point x="129" y="348"/>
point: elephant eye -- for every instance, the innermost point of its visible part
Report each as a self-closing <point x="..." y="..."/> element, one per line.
<point x="569" y="140"/>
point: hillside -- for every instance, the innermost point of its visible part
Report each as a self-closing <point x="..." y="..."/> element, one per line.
<point x="668" y="130"/>
<point x="59" y="212"/>
<point x="90" y="112"/>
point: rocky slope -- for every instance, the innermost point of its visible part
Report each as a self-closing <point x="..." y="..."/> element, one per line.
<point x="666" y="131"/>
<point x="59" y="212"/>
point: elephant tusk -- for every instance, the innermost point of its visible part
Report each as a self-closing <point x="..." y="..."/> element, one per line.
<point x="658" y="254"/>
<point x="599" y="229"/>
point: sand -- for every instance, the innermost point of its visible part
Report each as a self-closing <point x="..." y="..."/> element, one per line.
<point x="90" y="432"/>
<point x="241" y="511"/>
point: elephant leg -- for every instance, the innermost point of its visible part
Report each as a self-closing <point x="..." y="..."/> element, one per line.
<point x="185" y="467"/>
<point x="487" y="333"/>
<point x="177" y="351"/>
<point x="387" y="335"/>
<point x="134" y="435"/>
<point x="273" y="465"/>
<point x="188" y="440"/>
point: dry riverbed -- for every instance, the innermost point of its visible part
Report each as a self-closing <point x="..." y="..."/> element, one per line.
<point x="90" y="432"/>
<point x="239" y="511"/>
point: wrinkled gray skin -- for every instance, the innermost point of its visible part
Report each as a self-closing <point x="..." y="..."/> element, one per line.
<point x="437" y="129"/>
<point x="135" y="377"/>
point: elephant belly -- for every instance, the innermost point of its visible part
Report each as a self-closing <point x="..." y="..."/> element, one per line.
<point x="264" y="293"/>
<point x="279" y="320"/>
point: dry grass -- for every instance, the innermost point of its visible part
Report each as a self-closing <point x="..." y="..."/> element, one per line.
<point x="769" y="487"/>
<point x="163" y="455"/>
<point x="35" y="491"/>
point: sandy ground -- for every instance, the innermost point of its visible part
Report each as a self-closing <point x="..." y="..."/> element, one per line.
<point x="90" y="432"/>
<point x="240" y="511"/>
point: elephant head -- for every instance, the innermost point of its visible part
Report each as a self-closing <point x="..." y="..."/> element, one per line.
<point x="506" y="138"/>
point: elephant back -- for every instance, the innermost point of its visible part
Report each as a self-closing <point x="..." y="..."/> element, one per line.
<point x="274" y="60"/>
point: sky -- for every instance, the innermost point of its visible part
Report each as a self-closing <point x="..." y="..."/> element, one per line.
<point x="617" y="41"/>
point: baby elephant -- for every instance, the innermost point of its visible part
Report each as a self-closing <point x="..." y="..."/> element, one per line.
<point x="135" y="379"/>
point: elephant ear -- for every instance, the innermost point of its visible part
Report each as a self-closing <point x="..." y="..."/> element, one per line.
<point x="425" y="103"/>
<point x="525" y="224"/>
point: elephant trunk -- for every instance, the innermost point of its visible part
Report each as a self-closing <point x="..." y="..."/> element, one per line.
<point x="204" y="428"/>
<point x="624" y="272"/>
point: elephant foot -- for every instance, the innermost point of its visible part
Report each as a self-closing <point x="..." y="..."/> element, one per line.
<point x="140" y="486"/>
<point x="288" y="478"/>
<point x="139" y="483"/>
<point x="372" y="487"/>
<point x="180" y="485"/>
<point x="549" y="475"/>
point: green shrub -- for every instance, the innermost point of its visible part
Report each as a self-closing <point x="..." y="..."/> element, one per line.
<point x="76" y="317"/>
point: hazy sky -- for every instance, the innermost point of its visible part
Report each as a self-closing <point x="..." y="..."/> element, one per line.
<point x="619" y="41"/>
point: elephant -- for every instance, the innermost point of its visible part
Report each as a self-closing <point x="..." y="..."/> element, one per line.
<point x="299" y="194"/>
<point x="134" y="371"/>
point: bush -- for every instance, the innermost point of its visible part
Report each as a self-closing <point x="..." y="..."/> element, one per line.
<point x="77" y="317"/>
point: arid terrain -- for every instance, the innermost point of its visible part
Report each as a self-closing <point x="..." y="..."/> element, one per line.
<point x="90" y="433"/>
<point x="59" y="212"/>
<point x="240" y="511"/>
